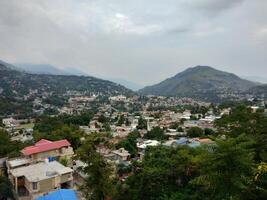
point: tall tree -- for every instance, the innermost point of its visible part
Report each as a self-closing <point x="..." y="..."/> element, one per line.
<point x="227" y="168"/>
<point x="243" y="120"/>
<point x="98" y="183"/>
<point x="163" y="172"/>
<point x="6" y="191"/>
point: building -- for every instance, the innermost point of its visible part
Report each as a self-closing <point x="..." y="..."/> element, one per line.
<point x="9" y="122"/>
<point x="45" y="149"/>
<point x="182" y="141"/>
<point x="38" y="179"/>
<point x="142" y="145"/>
<point x="121" y="154"/>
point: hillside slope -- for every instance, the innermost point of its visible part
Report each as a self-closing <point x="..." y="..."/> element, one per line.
<point x="201" y="82"/>
<point x="18" y="83"/>
<point x="258" y="90"/>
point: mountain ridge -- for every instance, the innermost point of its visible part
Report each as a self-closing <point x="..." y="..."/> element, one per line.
<point x="199" y="82"/>
<point x="17" y="82"/>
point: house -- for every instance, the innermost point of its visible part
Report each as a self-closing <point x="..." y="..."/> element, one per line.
<point x="17" y="163"/>
<point x="121" y="154"/>
<point x="45" y="149"/>
<point x="62" y="194"/>
<point x="194" y="142"/>
<point x="38" y="179"/>
<point x="9" y="122"/>
<point x="182" y="141"/>
<point x="142" y="145"/>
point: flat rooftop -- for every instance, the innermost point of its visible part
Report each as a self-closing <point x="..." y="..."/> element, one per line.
<point x="41" y="171"/>
<point x="18" y="162"/>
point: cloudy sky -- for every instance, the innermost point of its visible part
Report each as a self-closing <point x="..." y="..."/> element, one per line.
<point x="144" y="41"/>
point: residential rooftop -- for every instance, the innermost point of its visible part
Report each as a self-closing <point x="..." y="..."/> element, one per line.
<point x="41" y="171"/>
<point x="45" y="145"/>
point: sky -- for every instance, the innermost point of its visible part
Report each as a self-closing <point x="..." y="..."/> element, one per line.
<point x="144" y="41"/>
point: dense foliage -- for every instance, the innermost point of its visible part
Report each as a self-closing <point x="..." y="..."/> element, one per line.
<point x="6" y="191"/>
<point x="62" y="127"/>
<point x="9" y="148"/>
<point x="98" y="183"/>
<point x="232" y="168"/>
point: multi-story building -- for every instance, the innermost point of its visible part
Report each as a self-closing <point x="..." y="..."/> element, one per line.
<point x="38" y="179"/>
<point x="37" y="171"/>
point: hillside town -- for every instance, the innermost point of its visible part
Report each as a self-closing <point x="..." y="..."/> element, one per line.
<point x="127" y="126"/>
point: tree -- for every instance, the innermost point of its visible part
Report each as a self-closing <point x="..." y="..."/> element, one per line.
<point x="64" y="161"/>
<point x="163" y="172"/>
<point x="142" y="123"/>
<point x="156" y="134"/>
<point x="10" y="148"/>
<point x="195" y="132"/>
<point x="227" y="168"/>
<point x="243" y="121"/>
<point x="130" y="143"/>
<point x="208" y="131"/>
<point x="121" y="120"/>
<point x="6" y="191"/>
<point x="98" y="183"/>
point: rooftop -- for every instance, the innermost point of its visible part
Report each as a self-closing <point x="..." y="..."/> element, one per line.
<point x="41" y="171"/>
<point x="45" y="145"/>
<point x="18" y="162"/>
<point x="148" y="143"/>
<point x="121" y="152"/>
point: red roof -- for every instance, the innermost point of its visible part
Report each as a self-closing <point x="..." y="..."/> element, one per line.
<point x="45" y="145"/>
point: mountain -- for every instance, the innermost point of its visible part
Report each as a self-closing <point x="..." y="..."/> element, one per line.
<point x="129" y="84"/>
<point x="47" y="69"/>
<point x="259" y="79"/>
<point x="200" y="82"/>
<point x="7" y="65"/>
<point x="258" y="90"/>
<point x="18" y="83"/>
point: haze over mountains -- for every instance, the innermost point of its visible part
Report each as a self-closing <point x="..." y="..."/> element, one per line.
<point x="15" y="82"/>
<point x="201" y="82"/>
<point x="53" y="70"/>
<point x="48" y="69"/>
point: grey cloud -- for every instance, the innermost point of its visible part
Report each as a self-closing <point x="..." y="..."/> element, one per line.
<point x="143" y="41"/>
<point x="214" y="6"/>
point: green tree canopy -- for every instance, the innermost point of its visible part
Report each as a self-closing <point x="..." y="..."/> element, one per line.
<point x="156" y="134"/>
<point x="98" y="183"/>
<point x="227" y="168"/>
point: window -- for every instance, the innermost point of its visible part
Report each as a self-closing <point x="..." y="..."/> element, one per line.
<point x="34" y="186"/>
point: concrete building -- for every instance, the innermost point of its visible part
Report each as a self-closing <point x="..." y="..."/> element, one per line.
<point x="38" y="179"/>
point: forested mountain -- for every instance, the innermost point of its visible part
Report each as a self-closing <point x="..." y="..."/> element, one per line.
<point x="18" y="83"/>
<point x="258" y="90"/>
<point x="48" y="69"/>
<point x="201" y="82"/>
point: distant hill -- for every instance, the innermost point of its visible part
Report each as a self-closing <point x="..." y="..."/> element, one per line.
<point x="47" y="69"/>
<point x="258" y="79"/>
<point x="18" y="83"/>
<point x="129" y="84"/>
<point x="200" y="82"/>
<point x="258" y="90"/>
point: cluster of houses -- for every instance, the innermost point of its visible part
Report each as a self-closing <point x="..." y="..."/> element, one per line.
<point x="38" y="171"/>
